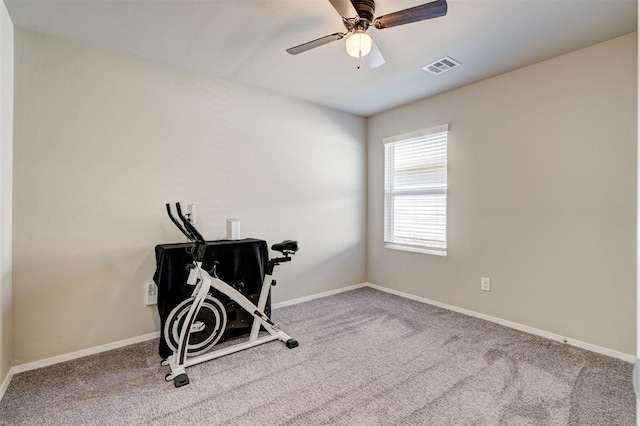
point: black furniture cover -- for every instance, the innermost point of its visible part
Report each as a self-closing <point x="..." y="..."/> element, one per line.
<point x="240" y="261"/>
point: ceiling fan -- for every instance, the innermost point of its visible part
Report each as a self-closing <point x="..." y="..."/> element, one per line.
<point x="358" y="16"/>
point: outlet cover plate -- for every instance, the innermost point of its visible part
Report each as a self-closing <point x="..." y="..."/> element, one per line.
<point x="151" y="293"/>
<point x="485" y="284"/>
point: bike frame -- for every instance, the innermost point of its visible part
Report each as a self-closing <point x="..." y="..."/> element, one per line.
<point x="204" y="282"/>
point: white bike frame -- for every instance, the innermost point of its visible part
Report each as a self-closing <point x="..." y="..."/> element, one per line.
<point x="203" y="282"/>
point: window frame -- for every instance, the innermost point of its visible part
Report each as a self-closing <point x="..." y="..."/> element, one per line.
<point x="388" y="207"/>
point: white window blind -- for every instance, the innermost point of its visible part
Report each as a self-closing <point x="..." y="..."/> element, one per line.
<point x="415" y="191"/>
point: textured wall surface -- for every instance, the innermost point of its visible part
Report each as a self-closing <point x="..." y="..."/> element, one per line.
<point x="6" y="166"/>
<point x="103" y="140"/>
<point x="542" y="196"/>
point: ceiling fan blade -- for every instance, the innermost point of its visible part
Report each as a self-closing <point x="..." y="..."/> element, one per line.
<point x="344" y="8"/>
<point x="315" y="43"/>
<point x="435" y="9"/>
<point x="374" y="58"/>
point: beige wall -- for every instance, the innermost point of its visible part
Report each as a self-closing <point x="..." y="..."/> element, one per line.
<point x="6" y="164"/>
<point x="103" y="140"/>
<point x="542" y="196"/>
<point x="542" y="191"/>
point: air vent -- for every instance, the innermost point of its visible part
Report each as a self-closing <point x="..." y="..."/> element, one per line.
<point x="441" y="65"/>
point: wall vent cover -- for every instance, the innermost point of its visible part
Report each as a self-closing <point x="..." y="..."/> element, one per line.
<point x="441" y="65"/>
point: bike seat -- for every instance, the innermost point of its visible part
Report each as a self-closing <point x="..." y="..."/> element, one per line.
<point x="287" y="246"/>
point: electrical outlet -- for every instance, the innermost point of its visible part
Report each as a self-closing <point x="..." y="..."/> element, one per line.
<point x="151" y="293"/>
<point x="485" y="284"/>
<point x="191" y="213"/>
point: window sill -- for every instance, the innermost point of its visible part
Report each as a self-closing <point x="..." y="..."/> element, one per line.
<point x="423" y="250"/>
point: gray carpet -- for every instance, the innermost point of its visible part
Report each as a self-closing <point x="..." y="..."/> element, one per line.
<point x="365" y="358"/>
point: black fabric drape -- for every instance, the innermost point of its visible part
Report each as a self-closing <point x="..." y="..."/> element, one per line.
<point x="240" y="261"/>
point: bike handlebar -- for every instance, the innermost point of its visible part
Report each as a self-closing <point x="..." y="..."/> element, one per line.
<point x="188" y="225"/>
<point x="189" y="231"/>
<point x="175" y="222"/>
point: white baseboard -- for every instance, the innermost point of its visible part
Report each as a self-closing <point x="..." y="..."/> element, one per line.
<point x="317" y="296"/>
<point x="5" y="384"/>
<point x="542" y="333"/>
<point x="85" y="352"/>
<point x="119" y="344"/>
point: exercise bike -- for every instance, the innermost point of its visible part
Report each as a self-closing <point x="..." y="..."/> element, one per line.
<point x="196" y="324"/>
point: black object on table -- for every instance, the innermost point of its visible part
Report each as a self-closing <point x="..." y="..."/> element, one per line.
<point x="241" y="263"/>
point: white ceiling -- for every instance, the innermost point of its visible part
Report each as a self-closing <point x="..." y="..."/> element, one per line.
<point x="245" y="40"/>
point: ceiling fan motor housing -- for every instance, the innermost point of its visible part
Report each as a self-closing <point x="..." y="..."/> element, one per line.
<point x="366" y="9"/>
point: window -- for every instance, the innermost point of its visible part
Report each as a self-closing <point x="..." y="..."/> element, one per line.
<point x="415" y="191"/>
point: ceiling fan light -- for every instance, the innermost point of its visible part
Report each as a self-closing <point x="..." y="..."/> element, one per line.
<point x="358" y="44"/>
